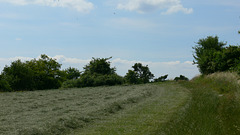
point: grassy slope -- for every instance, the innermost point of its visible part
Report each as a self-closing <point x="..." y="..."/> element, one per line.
<point x="61" y="111"/>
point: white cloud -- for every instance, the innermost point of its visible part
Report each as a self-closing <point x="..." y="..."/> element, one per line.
<point x="172" y="68"/>
<point x="7" y="61"/>
<point x="144" y="6"/>
<point x="178" y="8"/>
<point x="79" y="5"/>
<point x="65" y="60"/>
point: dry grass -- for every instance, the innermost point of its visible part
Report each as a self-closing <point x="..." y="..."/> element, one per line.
<point x="60" y="111"/>
<point x="231" y="77"/>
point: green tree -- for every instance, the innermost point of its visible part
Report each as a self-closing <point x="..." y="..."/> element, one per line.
<point x="72" y="73"/>
<point x="139" y="74"/>
<point x="99" y="66"/>
<point x="206" y="52"/>
<point x="132" y="77"/>
<point x="18" y="76"/>
<point x="99" y="72"/>
<point x="47" y="73"/>
<point x="39" y="74"/>
<point x="231" y="59"/>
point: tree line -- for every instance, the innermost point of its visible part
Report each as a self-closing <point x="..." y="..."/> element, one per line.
<point x="45" y="73"/>
<point x="210" y="55"/>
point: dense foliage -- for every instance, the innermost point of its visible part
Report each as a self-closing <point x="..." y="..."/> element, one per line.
<point x="97" y="73"/>
<point x="39" y="74"/>
<point x="72" y="73"/>
<point x="45" y="73"/>
<point x="212" y="56"/>
<point x="139" y="74"/>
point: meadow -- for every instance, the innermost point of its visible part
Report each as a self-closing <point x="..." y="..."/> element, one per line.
<point x="205" y="105"/>
<point x="61" y="111"/>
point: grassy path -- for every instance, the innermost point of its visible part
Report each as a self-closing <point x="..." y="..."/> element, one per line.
<point x="143" y="118"/>
<point x="214" y="108"/>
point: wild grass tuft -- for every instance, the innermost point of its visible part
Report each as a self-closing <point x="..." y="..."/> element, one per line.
<point x="225" y="81"/>
<point x="213" y="109"/>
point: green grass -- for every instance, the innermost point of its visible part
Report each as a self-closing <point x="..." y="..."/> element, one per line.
<point x="143" y="118"/>
<point x="214" y="108"/>
<point x="61" y="111"/>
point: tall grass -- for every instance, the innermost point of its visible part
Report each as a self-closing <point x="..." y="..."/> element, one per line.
<point x="213" y="110"/>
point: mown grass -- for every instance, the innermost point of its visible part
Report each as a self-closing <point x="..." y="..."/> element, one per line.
<point x="54" y="112"/>
<point x="214" y="108"/>
<point x="143" y="118"/>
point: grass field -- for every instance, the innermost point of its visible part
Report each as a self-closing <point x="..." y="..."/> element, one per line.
<point x="142" y="118"/>
<point x="207" y="105"/>
<point x="61" y="111"/>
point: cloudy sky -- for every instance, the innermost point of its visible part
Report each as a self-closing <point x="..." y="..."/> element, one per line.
<point x="157" y="33"/>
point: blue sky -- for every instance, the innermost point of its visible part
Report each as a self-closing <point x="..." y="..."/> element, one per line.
<point x="158" y="33"/>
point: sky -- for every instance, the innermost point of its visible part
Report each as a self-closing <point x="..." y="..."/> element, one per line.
<point x="157" y="33"/>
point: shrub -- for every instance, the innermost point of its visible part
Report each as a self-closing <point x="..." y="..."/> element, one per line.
<point x="91" y="80"/>
<point x="74" y="83"/>
<point x="161" y="79"/>
<point x="181" y="78"/>
<point x="39" y="74"/>
<point x="97" y="73"/>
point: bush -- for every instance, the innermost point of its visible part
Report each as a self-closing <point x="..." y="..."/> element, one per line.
<point x="93" y="80"/>
<point x="161" y="79"/>
<point x="39" y="74"/>
<point x="74" y="83"/>
<point x="97" y="73"/>
<point x="181" y="78"/>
